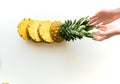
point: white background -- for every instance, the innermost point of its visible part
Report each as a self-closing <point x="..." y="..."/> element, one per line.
<point x="80" y="62"/>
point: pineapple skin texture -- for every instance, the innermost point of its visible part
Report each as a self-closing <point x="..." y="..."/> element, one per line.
<point x="44" y="31"/>
<point x="23" y="28"/>
<point x="54" y="31"/>
<point x="33" y="30"/>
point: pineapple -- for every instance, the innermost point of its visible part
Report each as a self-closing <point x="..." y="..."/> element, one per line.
<point x="33" y="30"/>
<point x="44" y="31"/>
<point x="54" y="31"/>
<point x="23" y="28"/>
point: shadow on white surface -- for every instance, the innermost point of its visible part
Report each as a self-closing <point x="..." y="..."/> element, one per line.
<point x="28" y="61"/>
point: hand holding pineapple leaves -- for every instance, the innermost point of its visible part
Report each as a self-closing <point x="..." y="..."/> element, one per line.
<point x="101" y="19"/>
<point x="47" y="31"/>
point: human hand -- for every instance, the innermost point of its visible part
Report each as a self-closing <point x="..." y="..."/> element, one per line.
<point x="104" y="17"/>
<point x="105" y="32"/>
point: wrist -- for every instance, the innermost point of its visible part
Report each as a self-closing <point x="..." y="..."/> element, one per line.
<point x="117" y="13"/>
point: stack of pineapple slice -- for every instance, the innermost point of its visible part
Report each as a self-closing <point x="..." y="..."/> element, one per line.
<point x="49" y="32"/>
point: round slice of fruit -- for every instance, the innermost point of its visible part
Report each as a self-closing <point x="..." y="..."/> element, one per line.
<point x="22" y="28"/>
<point x="44" y="31"/>
<point x="33" y="30"/>
<point x="54" y="31"/>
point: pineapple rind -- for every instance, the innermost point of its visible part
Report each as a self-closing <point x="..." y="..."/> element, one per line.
<point x="23" y="28"/>
<point x="44" y="31"/>
<point x="33" y="30"/>
<point x="54" y="31"/>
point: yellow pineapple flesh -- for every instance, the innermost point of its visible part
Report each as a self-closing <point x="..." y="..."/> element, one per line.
<point x="23" y="28"/>
<point x="33" y="30"/>
<point x="44" y="31"/>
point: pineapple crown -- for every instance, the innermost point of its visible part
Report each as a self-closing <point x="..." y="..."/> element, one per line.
<point x="70" y="30"/>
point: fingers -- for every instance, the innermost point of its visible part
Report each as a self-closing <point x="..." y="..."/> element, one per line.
<point x="99" y="20"/>
<point x="100" y="36"/>
<point x="99" y="33"/>
<point x="95" y="21"/>
<point x="92" y="20"/>
<point x="102" y="27"/>
<point x="99" y="39"/>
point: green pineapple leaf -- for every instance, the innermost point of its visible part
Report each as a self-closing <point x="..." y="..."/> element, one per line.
<point x="90" y="27"/>
<point x="71" y="30"/>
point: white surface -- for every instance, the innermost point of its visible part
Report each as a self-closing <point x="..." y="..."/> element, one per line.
<point x="81" y="62"/>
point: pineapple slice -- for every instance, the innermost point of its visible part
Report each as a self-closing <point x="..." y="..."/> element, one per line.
<point x="44" y="31"/>
<point x="33" y="30"/>
<point x="54" y="31"/>
<point x="23" y="28"/>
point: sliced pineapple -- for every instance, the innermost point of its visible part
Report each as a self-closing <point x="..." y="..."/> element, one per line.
<point x="22" y="28"/>
<point x="44" y="31"/>
<point x="54" y="31"/>
<point x="33" y="30"/>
